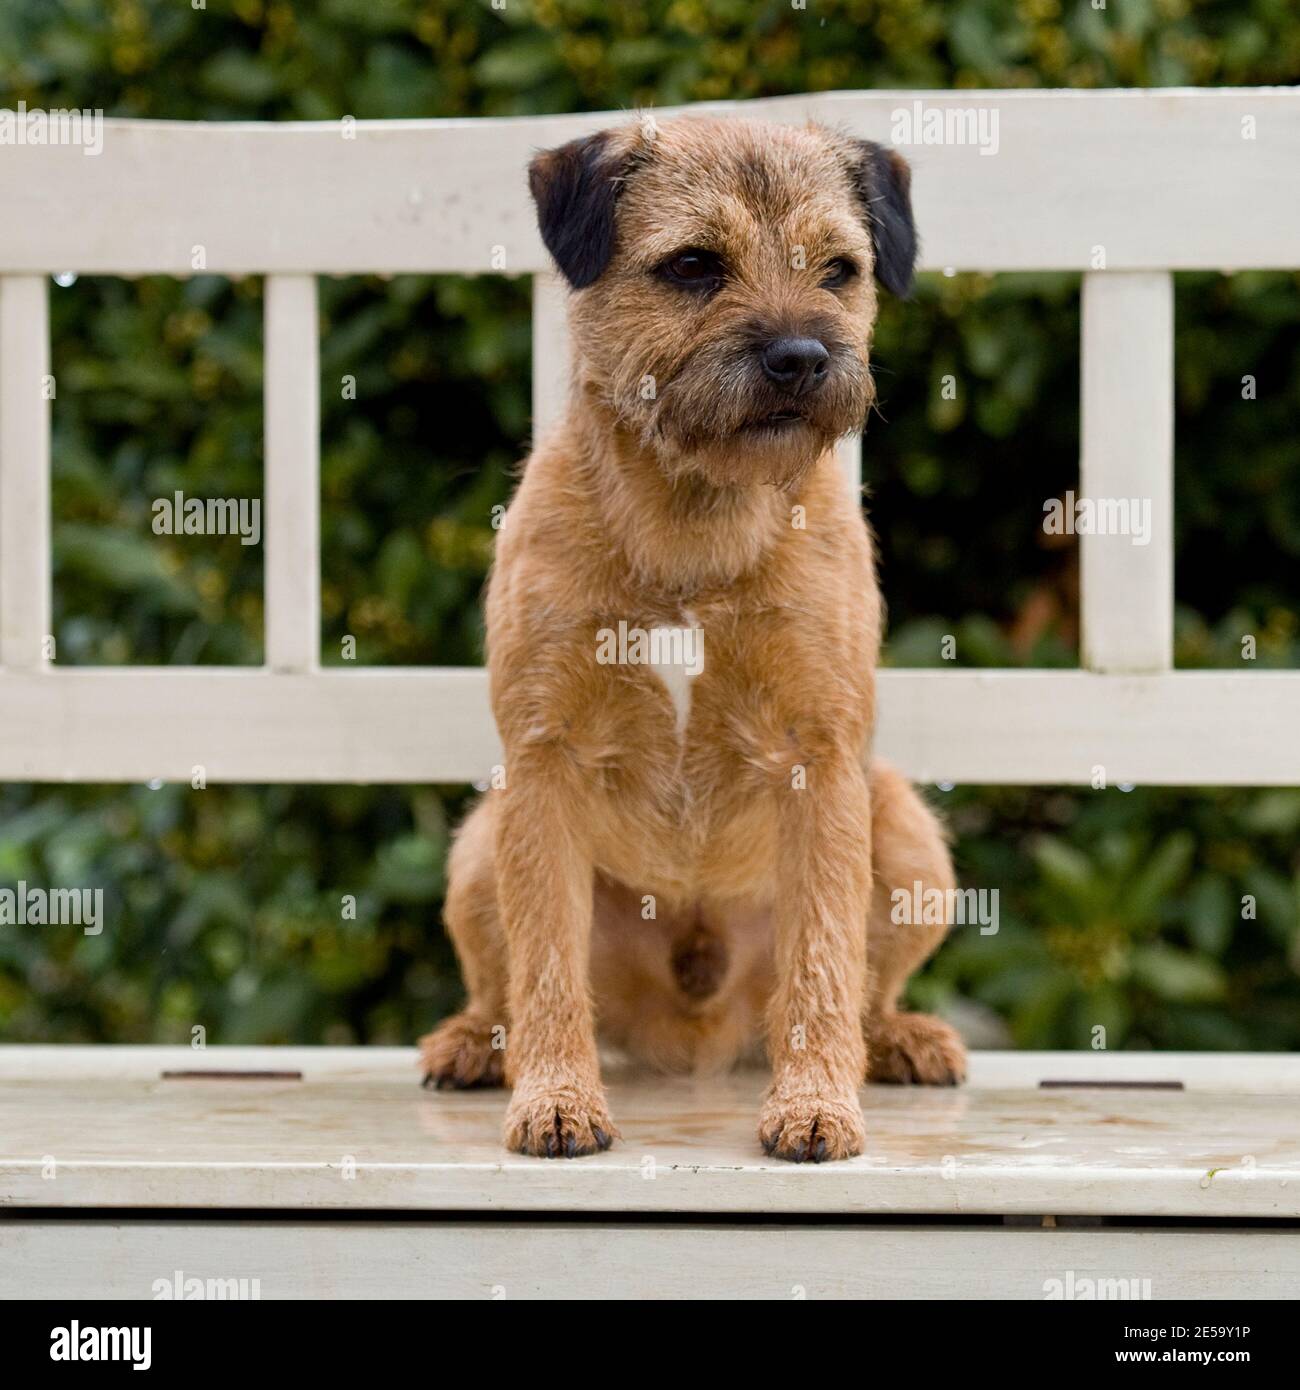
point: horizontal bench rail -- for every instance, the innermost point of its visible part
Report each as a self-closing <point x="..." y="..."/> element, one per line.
<point x="1167" y="179"/>
<point x="1201" y="728"/>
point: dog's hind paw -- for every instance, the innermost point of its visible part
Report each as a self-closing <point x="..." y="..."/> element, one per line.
<point x="460" y="1054"/>
<point x="566" y="1122"/>
<point x="915" y="1049"/>
<point x="811" y="1128"/>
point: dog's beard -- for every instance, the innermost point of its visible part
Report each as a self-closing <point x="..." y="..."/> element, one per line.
<point x="719" y="419"/>
<point x="779" y="456"/>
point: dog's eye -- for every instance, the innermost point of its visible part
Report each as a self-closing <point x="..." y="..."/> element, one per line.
<point x="693" y="269"/>
<point x="838" y="272"/>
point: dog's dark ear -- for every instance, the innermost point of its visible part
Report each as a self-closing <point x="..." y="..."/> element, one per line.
<point x="884" y="181"/>
<point x="574" y="188"/>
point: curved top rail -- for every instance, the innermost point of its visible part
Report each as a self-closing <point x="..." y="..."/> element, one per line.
<point x="1024" y="180"/>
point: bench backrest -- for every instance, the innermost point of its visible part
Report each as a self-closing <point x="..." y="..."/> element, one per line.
<point x="1122" y="186"/>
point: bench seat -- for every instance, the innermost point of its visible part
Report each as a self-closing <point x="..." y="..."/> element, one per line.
<point x="329" y="1169"/>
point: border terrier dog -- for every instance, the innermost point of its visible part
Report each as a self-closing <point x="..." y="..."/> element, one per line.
<point x="693" y="849"/>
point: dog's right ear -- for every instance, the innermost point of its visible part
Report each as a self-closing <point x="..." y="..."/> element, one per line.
<point x="575" y="187"/>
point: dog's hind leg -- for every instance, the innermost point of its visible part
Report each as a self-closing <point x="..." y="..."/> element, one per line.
<point x="909" y="853"/>
<point x="467" y="1049"/>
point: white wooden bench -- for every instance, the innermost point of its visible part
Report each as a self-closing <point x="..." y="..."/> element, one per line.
<point x="352" y="1183"/>
<point x="349" y="1179"/>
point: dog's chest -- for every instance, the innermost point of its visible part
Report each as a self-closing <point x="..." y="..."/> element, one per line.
<point x="687" y="697"/>
<point x="667" y="667"/>
<point x="677" y="660"/>
<point x="681" y="809"/>
<point x="713" y="709"/>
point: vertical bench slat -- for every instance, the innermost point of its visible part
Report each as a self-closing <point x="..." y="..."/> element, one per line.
<point x="1127" y="413"/>
<point x="849" y="452"/>
<point x="292" y="483"/>
<point x="24" y="471"/>
<point x="550" y="351"/>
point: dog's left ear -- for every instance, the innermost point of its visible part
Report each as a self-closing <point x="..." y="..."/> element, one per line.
<point x="883" y="182"/>
<point x="575" y="187"/>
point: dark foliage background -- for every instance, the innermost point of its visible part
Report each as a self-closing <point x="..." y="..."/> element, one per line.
<point x="1120" y="909"/>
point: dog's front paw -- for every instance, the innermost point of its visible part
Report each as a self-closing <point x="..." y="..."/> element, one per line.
<point x="811" y="1128"/>
<point x="461" y="1053"/>
<point x="559" y="1122"/>
<point x="916" y="1049"/>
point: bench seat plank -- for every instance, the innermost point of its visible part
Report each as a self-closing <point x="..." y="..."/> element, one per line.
<point x="99" y="1127"/>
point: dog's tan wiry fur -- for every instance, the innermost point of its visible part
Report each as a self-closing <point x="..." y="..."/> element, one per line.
<point x="691" y="879"/>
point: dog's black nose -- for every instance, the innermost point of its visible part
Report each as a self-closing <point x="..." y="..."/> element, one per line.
<point x="795" y="365"/>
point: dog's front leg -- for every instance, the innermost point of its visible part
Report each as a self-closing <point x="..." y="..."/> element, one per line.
<point x="544" y="887"/>
<point x="811" y="1111"/>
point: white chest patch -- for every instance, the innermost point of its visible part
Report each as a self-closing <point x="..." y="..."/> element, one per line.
<point x="677" y="657"/>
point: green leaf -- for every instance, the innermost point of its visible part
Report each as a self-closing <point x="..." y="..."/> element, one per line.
<point x="1212" y="915"/>
<point x="408" y="870"/>
<point x="1158" y="878"/>
<point x="1065" y="868"/>
<point x="1177" y="975"/>
<point x="518" y="62"/>
<point x="239" y="77"/>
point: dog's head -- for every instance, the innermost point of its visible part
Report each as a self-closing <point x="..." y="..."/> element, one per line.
<point x="724" y="283"/>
